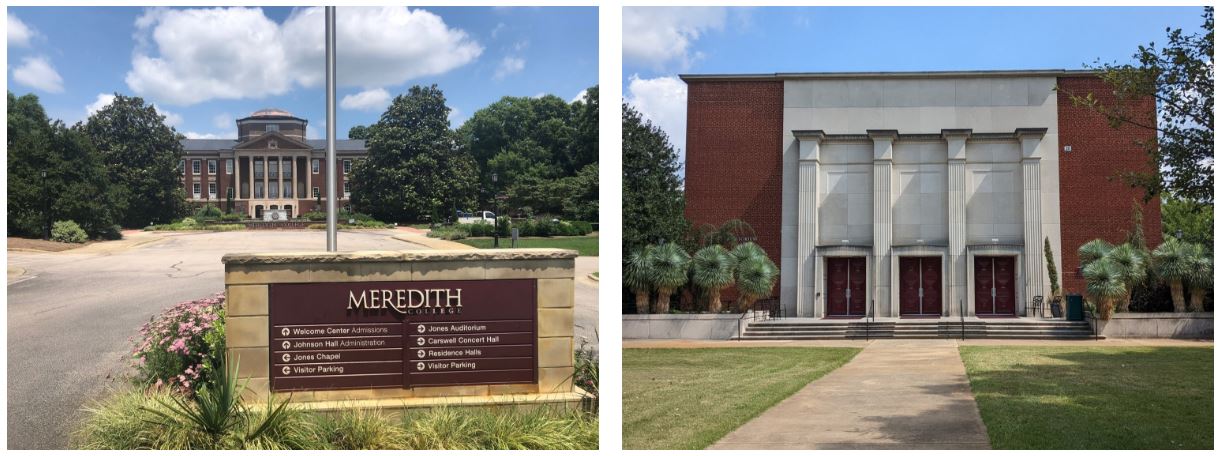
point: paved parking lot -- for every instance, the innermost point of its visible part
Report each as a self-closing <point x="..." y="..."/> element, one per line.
<point x="70" y="313"/>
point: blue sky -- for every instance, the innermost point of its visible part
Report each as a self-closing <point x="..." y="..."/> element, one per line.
<point x="660" y="43"/>
<point x="206" y="67"/>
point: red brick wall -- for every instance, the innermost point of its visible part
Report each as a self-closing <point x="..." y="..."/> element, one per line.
<point x="1095" y="201"/>
<point x="733" y="167"/>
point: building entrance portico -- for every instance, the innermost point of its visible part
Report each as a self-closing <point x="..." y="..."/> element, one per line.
<point x="846" y="287"/>
<point x="920" y="286"/>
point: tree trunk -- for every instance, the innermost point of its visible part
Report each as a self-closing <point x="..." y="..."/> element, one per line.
<point x="662" y="304"/>
<point x="1105" y="309"/>
<point x="1196" y="302"/>
<point x="714" y="304"/>
<point x="642" y="302"/>
<point x="1177" y="295"/>
<point x="1123" y="305"/>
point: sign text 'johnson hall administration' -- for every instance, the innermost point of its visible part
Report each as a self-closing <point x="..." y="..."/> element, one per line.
<point x="402" y="334"/>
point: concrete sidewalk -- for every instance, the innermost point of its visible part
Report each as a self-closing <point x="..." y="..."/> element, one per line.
<point x="895" y="394"/>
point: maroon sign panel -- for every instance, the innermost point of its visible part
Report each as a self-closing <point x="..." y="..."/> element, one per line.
<point x="402" y="334"/>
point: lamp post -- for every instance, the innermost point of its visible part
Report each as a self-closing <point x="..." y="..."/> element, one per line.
<point x="496" y="218"/>
<point x="46" y="215"/>
<point x="331" y="179"/>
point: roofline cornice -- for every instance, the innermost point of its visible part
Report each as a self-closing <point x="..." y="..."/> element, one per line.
<point x="886" y="75"/>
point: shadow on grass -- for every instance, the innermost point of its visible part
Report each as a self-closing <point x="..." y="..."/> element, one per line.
<point x="1094" y="397"/>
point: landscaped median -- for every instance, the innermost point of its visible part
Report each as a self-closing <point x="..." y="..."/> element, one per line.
<point x="688" y="398"/>
<point x="1080" y="397"/>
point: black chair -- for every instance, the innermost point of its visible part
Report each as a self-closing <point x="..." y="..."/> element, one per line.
<point x="1036" y="307"/>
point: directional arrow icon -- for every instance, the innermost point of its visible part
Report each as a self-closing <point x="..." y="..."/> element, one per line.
<point x="420" y="328"/>
<point x="419" y="341"/>
<point x="286" y="345"/>
<point x="287" y="357"/>
<point x="419" y="366"/>
<point x="284" y="332"/>
<point x="286" y="370"/>
<point x="419" y="353"/>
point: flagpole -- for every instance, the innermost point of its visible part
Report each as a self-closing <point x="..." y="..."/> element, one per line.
<point x="331" y="163"/>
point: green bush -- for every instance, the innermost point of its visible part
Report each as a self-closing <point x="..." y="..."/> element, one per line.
<point x="232" y="217"/>
<point x="114" y="232"/>
<point x="68" y="231"/>
<point x="448" y="233"/>
<point x="585" y="374"/>
<point x="208" y="212"/>
<point x="226" y="227"/>
<point x="188" y="223"/>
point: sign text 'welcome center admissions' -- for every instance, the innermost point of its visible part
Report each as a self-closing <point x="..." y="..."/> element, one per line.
<point x="402" y="334"/>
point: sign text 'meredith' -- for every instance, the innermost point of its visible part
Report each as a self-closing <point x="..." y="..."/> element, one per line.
<point x="400" y="300"/>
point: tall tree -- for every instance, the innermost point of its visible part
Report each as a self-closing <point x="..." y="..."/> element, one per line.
<point x="652" y="191"/>
<point x="1188" y="220"/>
<point x="54" y="173"/>
<point x="141" y="155"/>
<point x="415" y="167"/>
<point x="1179" y="77"/>
<point x="358" y="132"/>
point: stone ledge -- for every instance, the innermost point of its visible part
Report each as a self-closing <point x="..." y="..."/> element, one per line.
<point x="374" y="256"/>
<point x="529" y="399"/>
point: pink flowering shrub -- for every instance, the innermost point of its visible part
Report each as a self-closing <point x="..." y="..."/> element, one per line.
<point x="181" y="348"/>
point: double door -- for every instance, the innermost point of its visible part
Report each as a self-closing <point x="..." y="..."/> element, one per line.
<point x="846" y="286"/>
<point x="921" y="286"/>
<point x="994" y="283"/>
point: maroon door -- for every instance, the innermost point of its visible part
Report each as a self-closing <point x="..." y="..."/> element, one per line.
<point x="920" y="285"/>
<point x="931" y="286"/>
<point x="994" y="280"/>
<point x="837" y="283"/>
<point x="846" y="286"/>
<point x="910" y="286"/>
<point x="857" y="286"/>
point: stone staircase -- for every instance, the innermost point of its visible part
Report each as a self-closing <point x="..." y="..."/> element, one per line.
<point x="810" y="329"/>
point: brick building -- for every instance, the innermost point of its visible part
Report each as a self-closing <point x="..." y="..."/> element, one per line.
<point x="919" y="192"/>
<point x="271" y="165"/>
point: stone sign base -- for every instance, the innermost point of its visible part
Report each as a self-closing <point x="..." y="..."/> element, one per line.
<point x="249" y="277"/>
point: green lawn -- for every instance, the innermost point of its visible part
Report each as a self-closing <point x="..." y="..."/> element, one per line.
<point x="1094" y="397"/>
<point x="585" y="245"/>
<point x="690" y="398"/>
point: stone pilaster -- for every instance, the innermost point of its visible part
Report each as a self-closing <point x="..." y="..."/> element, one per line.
<point x="1033" y="238"/>
<point x="883" y="168"/>
<point x="956" y="192"/>
<point x="809" y="143"/>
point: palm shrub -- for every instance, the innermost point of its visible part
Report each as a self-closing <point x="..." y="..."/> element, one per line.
<point x="1132" y="268"/>
<point x="1091" y="251"/>
<point x="1200" y="279"/>
<point x="668" y="263"/>
<point x="638" y="276"/>
<point x="713" y="270"/>
<point x="1174" y="262"/>
<point x="1105" y="284"/>
<point x="755" y="273"/>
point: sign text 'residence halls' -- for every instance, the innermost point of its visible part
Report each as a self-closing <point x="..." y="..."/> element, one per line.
<point x="400" y="300"/>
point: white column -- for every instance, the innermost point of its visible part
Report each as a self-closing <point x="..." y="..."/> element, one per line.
<point x="883" y="145"/>
<point x="956" y="191"/>
<point x="296" y="197"/>
<point x="237" y="178"/>
<point x="1033" y="237"/>
<point x="310" y="176"/>
<point x="809" y="143"/>
<point x="266" y="172"/>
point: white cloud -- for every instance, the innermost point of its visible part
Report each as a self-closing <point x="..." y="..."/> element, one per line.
<point x="172" y="119"/>
<point x="189" y="56"/>
<point x="508" y="66"/>
<point x="19" y="34"/>
<point x="500" y="26"/>
<point x="194" y="135"/>
<point x="455" y="117"/>
<point x="581" y="96"/>
<point x="662" y="101"/>
<point x="377" y="47"/>
<point x="369" y="100"/>
<point x="223" y="121"/>
<point x="103" y="100"/>
<point x="657" y="36"/>
<point x="38" y="73"/>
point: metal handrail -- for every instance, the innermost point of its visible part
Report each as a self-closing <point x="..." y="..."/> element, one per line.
<point x="753" y="311"/>
<point x="869" y="319"/>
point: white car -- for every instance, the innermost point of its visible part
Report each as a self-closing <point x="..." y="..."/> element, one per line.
<point x="477" y="217"/>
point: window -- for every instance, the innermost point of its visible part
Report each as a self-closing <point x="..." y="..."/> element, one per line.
<point x="287" y="164"/>
<point x="212" y="190"/>
<point x="229" y="192"/>
<point x="347" y="166"/>
<point x="273" y="190"/>
<point x="259" y="169"/>
<point x="315" y="192"/>
<point x="272" y="127"/>
<point x="314" y="166"/>
<point x="273" y="170"/>
<point x="182" y="167"/>
<point x="194" y="166"/>
<point x="345" y="189"/>
<point x="259" y="189"/>
<point x="229" y="166"/>
<point x="195" y="190"/>
<point x="212" y="167"/>
<point x="288" y="189"/>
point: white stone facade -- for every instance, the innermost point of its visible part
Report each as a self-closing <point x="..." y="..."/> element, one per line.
<point x="942" y="166"/>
